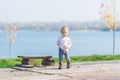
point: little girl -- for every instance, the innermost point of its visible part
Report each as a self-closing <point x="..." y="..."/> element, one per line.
<point x="64" y="43"/>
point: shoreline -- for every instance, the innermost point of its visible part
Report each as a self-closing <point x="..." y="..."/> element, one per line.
<point x="9" y="62"/>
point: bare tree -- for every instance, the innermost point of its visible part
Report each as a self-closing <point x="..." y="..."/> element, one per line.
<point x="11" y="35"/>
<point x="109" y="15"/>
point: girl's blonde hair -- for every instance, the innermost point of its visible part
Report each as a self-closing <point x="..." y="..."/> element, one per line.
<point x="65" y="27"/>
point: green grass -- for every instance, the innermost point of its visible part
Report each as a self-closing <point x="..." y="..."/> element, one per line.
<point x="94" y="57"/>
<point x="9" y="62"/>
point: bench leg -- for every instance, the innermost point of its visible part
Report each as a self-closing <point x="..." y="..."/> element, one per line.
<point x="27" y="61"/>
<point x="48" y="62"/>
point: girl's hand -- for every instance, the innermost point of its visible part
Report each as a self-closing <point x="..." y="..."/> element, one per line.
<point x="65" y="47"/>
<point x="58" y="43"/>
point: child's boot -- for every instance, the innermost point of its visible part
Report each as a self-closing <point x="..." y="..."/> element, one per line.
<point x="68" y="64"/>
<point x="60" y="65"/>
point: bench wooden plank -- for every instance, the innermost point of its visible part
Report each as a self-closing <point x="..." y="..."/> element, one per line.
<point x="35" y="57"/>
<point x="29" y="60"/>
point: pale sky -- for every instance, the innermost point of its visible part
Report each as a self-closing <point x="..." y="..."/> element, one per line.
<point x="49" y="10"/>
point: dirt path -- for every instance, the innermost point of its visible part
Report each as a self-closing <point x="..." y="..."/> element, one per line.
<point x="104" y="70"/>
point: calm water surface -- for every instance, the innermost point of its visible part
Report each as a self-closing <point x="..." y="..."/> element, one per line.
<point x="44" y="43"/>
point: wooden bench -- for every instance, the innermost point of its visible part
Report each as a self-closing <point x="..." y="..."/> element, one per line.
<point x="28" y="61"/>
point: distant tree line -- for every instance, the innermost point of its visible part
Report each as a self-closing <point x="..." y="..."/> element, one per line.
<point x="55" y="26"/>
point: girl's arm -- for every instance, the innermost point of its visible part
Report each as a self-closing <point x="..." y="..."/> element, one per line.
<point x="58" y="42"/>
<point x="69" y="43"/>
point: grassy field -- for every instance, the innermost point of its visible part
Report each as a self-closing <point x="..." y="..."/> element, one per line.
<point x="9" y="62"/>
